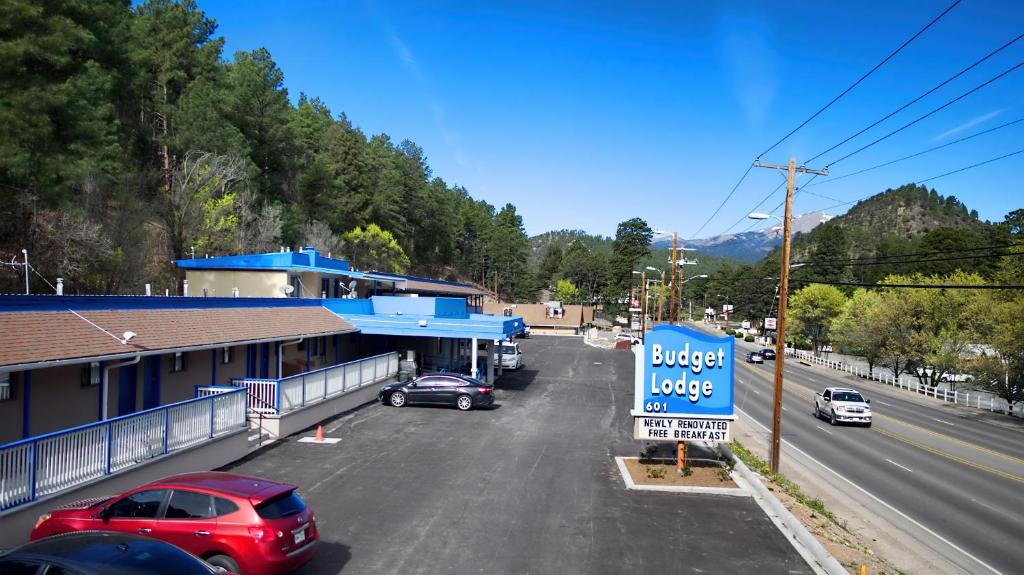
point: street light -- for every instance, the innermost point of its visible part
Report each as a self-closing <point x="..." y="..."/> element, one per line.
<point x="661" y="290"/>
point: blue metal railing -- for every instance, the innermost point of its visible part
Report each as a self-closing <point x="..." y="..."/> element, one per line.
<point x="279" y="396"/>
<point x="51" y="463"/>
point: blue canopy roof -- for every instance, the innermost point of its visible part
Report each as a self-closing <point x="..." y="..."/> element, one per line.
<point x="423" y="317"/>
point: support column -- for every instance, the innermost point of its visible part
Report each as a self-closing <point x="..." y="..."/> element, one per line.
<point x="490" y="361"/>
<point x="472" y="359"/>
<point x="501" y="370"/>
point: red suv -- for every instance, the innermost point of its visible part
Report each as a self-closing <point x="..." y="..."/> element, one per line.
<point x="244" y="524"/>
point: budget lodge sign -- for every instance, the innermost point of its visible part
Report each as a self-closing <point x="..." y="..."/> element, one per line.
<point x="684" y="386"/>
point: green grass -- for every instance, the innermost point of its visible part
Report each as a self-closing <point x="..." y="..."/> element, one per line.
<point x="761" y="466"/>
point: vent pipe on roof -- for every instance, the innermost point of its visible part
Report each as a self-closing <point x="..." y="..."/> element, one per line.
<point x="234" y="292"/>
<point x="60" y="286"/>
<point x="184" y="288"/>
<point x="149" y="290"/>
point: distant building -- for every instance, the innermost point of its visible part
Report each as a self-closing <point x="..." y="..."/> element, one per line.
<point x="550" y="318"/>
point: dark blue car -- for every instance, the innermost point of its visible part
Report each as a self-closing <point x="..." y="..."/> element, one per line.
<point x="462" y="391"/>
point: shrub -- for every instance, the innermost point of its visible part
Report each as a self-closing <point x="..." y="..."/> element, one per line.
<point x="749" y="338"/>
<point x="730" y="331"/>
<point x="738" y="335"/>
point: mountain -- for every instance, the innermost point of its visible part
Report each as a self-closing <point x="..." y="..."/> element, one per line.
<point x="748" y="246"/>
<point x="907" y="220"/>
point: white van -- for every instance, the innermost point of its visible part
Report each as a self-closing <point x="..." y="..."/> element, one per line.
<point x="511" y="356"/>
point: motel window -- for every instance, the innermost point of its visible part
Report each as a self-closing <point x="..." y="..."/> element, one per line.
<point x="5" y="386"/>
<point x="178" y="365"/>
<point x="314" y="344"/>
<point x="323" y="349"/>
<point x="91" y="374"/>
<point x="225" y="355"/>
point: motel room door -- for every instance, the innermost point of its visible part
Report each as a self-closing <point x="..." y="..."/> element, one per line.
<point x="127" y="383"/>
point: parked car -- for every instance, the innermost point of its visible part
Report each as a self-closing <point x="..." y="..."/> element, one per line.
<point x="246" y="525"/>
<point x="101" y="553"/>
<point x="625" y="336"/>
<point x="511" y="355"/>
<point x="754" y="357"/>
<point x="462" y="391"/>
<point x="768" y="353"/>
<point x="842" y="405"/>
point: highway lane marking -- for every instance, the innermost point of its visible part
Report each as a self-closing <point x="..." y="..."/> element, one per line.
<point x="823" y="429"/>
<point x="884" y="403"/>
<point x="784" y="408"/>
<point x="943" y="421"/>
<point x="951" y="457"/>
<point x="900" y="466"/>
<point x="916" y="523"/>
<point x="942" y="436"/>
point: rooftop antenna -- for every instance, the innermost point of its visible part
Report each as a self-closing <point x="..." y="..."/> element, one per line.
<point x="125" y="337"/>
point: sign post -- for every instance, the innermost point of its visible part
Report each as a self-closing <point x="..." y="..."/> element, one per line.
<point x="683" y="388"/>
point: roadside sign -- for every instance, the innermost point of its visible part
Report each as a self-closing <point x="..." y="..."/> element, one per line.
<point x="769" y="323"/>
<point x="681" y="429"/>
<point x="684" y="386"/>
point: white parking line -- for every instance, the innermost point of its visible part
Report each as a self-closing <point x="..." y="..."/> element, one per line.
<point x="884" y="403"/>
<point x="784" y="408"/>
<point x="900" y="466"/>
<point x="756" y="391"/>
<point x="823" y="429"/>
<point x="943" y="421"/>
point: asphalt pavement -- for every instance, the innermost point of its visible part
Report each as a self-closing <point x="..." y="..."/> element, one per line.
<point x="528" y="486"/>
<point x="955" y="475"/>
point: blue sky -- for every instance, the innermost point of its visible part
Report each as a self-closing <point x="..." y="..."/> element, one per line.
<point x="584" y="114"/>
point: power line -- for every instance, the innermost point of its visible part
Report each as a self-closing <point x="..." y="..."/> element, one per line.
<point x="729" y="195"/>
<point x="759" y="204"/>
<point x="936" y="110"/>
<point x="916" y="261"/>
<point x="921" y="153"/>
<point x="861" y="79"/>
<point x="913" y="286"/>
<point x="921" y="97"/>
<point x="969" y="167"/>
<point x="921" y="254"/>
<point x="931" y="178"/>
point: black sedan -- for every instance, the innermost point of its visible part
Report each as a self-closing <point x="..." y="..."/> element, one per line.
<point x="102" y="553"/>
<point x="768" y="353"/>
<point x="462" y="391"/>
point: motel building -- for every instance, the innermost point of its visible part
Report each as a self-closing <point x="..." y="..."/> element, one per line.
<point x="99" y="394"/>
<point x="308" y="274"/>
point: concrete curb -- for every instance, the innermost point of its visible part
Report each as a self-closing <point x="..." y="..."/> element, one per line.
<point x="805" y="544"/>
<point x="741" y="491"/>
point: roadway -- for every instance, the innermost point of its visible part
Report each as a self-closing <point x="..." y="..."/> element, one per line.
<point x="953" y="471"/>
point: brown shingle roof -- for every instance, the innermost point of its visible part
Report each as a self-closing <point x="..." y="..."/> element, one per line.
<point x="30" y="337"/>
<point x="535" y="314"/>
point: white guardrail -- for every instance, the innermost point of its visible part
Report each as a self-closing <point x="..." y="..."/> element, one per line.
<point x="976" y="399"/>
<point x="280" y="396"/>
<point x="47" y="464"/>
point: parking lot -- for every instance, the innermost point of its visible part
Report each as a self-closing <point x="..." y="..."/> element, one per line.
<point x="527" y="486"/>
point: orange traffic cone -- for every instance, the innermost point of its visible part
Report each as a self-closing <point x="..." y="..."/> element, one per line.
<point x="319" y="434"/>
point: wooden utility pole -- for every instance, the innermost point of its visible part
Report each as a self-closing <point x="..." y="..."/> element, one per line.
<point x="643" y="304"/>
<point x="661" y="295"/>
<point x="780" y="334"/>
<point x="672" y="294"/>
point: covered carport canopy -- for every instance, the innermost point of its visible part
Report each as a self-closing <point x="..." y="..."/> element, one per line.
<point x="427" y="317"/>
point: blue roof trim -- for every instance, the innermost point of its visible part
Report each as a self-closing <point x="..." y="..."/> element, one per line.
<point x="32" y="303"/>
<point x="381" y="315"/>
<point x="308" y="259"/>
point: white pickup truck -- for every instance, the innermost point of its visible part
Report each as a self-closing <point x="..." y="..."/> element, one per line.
<point x="842" y="405"/>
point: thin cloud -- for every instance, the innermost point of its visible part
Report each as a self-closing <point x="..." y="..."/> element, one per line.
<point x="968" y="124"/>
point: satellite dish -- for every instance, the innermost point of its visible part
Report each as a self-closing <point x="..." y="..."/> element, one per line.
<point x="287" y="289"/>
<point x="128" y="336"/>
<point x="352" y="286"/>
